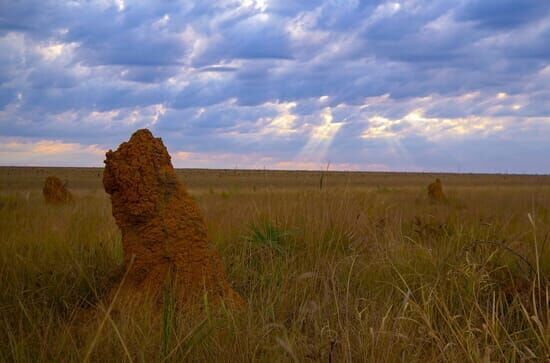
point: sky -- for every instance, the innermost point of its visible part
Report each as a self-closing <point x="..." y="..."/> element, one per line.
<point x="404" y="85"/>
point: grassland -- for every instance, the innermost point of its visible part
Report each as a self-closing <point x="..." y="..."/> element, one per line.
<point x="364" y="269"/>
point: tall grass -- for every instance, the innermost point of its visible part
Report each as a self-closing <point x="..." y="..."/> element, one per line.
<point x="338" y="274"/>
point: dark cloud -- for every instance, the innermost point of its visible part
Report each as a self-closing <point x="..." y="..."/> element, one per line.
<point x="7" y="95"/>
<point x="259" y="36"/>
<point x="503" y="14"/>
<point x="47" y="77"/>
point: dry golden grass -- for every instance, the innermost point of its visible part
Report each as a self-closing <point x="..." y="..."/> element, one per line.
<point x="365" y="269"/>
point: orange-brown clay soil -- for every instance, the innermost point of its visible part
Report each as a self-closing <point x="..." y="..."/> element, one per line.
<point x="162" y="227"/>
<point x="55" y="192"/>
<point x="435" y="191"/>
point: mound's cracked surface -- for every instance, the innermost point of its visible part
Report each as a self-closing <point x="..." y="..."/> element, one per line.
<point x="161" y="225"/>
<point x="435" y="191"/>
<point x="55" y="192"/>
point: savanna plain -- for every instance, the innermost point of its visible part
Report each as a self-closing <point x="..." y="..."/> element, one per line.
<point x="334" y="267"/>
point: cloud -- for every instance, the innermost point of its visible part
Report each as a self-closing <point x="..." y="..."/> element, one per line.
<point x="396" y="84"/>
<point x="503" y="14"/>
<point x="17" y="151"/>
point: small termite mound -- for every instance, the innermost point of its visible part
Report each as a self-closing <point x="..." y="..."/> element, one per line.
<point x="55" y="191"/>
<point x="164" y="235"/>
<point x="435" y="191"/>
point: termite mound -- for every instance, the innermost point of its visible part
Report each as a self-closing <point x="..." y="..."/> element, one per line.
<point x="164" y="235"/>
<point x="435" y="191"/>
<point x="55" y="191"/>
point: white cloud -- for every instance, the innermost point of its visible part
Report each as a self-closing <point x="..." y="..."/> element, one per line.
<point x="320" y="138"/>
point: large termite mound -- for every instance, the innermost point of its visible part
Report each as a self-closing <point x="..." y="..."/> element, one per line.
<point x="435" y="191"/>
<point x="164" y="235"/>
<point x="55" y="191"/>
